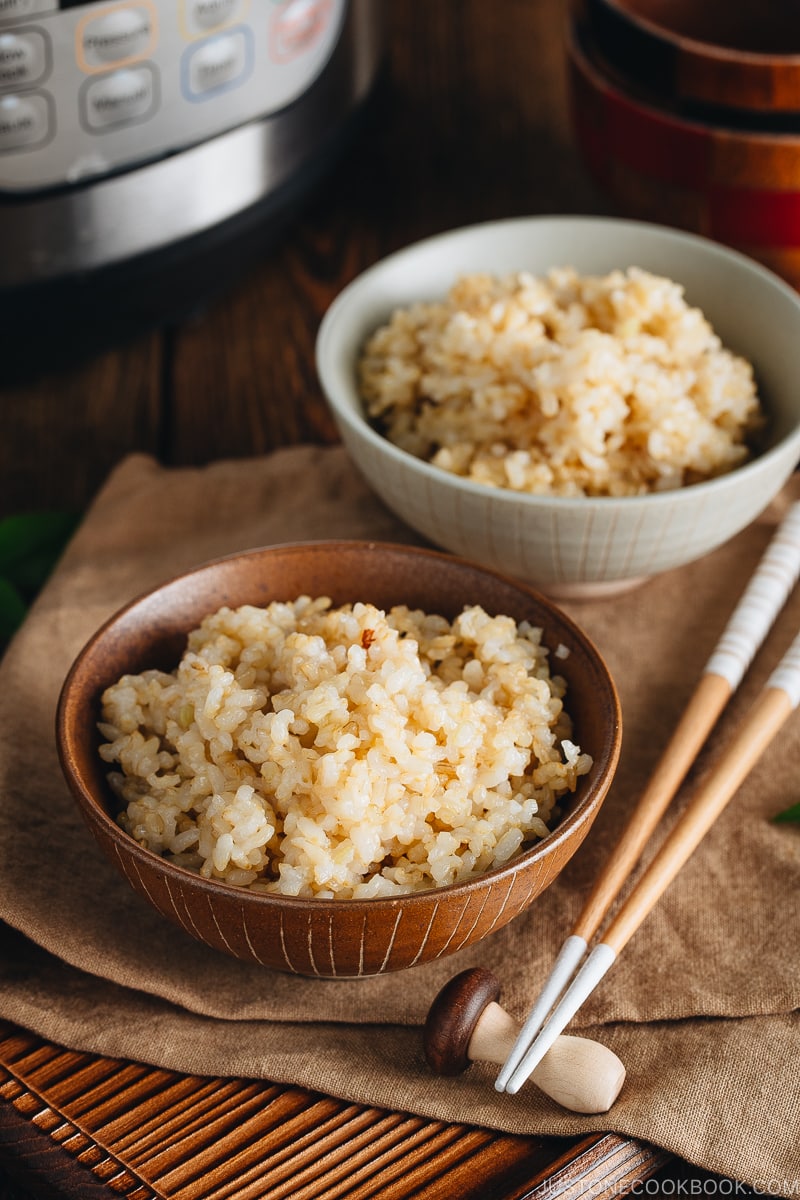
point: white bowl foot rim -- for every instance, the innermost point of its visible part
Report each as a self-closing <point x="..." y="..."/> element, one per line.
<point x="598" y="590"/>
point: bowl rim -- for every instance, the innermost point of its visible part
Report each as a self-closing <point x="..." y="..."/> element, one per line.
<point x="74" y="697"/>
<point x="687" y="123"/>
<point x="356" y="420"/>
<point x="717" y="51"/>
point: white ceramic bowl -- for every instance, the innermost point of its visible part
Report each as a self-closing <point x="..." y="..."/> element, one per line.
<point x="574" y="546"/>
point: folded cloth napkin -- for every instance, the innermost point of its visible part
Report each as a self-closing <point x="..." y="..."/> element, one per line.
<point x="702" y="1004"/>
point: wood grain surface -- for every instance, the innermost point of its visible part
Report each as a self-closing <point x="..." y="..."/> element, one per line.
<point x="470" y="123"/>
<point x="91" y="1126"/>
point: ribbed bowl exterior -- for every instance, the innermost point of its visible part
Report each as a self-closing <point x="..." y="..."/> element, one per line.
<point x="318" y="937"/>
<point x="574" y="545"/>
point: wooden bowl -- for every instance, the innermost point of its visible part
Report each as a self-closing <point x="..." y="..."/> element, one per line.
<point x="733" y="185"/>
<point x="318" y="937"/>
<point x="737" y="56"/>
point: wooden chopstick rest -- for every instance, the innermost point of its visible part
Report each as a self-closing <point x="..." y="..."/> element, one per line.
<point x="466" y="1024"/>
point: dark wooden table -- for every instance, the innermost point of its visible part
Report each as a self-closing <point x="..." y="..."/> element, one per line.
<point x="471" y="123"/>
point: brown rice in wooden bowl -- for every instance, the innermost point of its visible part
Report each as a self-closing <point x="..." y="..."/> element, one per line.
<point x="339" y="759"/>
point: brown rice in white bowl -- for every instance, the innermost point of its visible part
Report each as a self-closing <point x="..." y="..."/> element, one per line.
<point x="576" y="544"/>
<point x="562" y="384"/>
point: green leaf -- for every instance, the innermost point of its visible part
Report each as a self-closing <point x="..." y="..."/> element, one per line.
<point x="12" y="609"/>
<point x="27" y="534"/>
<point x="789" y="814"/>
<point x="30" y="545"/>
<point x="29" y="575"/>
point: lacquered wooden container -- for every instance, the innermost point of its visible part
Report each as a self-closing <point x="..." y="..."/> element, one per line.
<point x="740" y="57"/>
<point x="736" y="185"/>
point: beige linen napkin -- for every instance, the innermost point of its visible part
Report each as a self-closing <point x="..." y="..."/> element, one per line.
<point x="700" y="1006"/>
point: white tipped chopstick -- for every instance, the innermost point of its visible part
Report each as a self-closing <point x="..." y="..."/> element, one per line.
<point x="779" y="698"/>
<point x="754" y="615"/>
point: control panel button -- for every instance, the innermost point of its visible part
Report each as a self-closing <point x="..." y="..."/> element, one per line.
<point x="25" y="121"/>
<point x="124" y="97"/>
<point x="221" y="62"/>
<point x="12" y="10"/>
<point x="23" y="58"/>
<point x="296" y="26"/>
<point x="119" y="35"/>
<point x="211" y="14"/>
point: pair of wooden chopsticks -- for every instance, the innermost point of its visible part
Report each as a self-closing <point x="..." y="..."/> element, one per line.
<point x="762" y="600"/>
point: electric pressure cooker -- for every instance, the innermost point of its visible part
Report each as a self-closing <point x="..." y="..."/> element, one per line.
<point x="136" y="134"/>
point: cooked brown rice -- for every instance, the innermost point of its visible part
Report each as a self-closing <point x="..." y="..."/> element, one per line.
<point x="343" y="752"/>
<point x="564" y="385"/>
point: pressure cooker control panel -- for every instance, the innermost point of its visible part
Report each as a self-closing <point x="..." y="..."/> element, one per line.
<point x="88" y="89"/>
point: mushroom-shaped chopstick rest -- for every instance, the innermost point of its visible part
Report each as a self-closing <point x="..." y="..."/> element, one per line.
<point x="466" y="1024"/>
